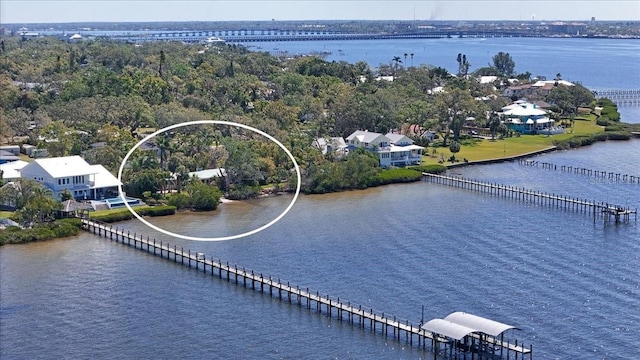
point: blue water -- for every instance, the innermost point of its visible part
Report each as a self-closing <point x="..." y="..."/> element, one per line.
<point x="580" y="60"/>
<point x="571" y="284"/>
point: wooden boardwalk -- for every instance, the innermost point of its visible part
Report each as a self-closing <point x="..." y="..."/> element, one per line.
<point x="596" y="209"/>
<point x="363" y="317"/>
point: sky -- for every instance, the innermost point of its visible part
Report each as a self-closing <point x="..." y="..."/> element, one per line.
<point x="61" y="11"/>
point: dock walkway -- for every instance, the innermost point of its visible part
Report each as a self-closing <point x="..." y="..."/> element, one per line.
<point x="600" y="176"/>
<point x="596" y="209"/>
<point x="363" y="317"/>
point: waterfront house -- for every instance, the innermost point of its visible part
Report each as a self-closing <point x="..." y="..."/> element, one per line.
<point x="367" y="140"/>
<point x="398" y="150"/>
<point x="72" y="173"/>
<point x="527" y="118"/>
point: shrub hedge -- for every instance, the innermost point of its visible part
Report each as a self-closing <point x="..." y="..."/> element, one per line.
<point x="56" y="229"/>
<point x="124" y="214"/>
<point x="584" y="140"/>
<point x="431" y="169"/>
<point x="400" y="175"/>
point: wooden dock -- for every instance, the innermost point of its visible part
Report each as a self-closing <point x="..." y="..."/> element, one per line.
<point x="599" y="175"/>
<point x="596" y="209"/>
<point x="363" y="317"/>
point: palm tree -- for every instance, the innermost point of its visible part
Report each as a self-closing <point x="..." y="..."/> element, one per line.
<point x="411" y="59"/>
<point x="163" y="143"/>
<point x="494" y="124"/>
<point x="397" y="60"/>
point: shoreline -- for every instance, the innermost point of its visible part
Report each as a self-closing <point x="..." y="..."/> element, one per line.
<point x="502" y="159"/>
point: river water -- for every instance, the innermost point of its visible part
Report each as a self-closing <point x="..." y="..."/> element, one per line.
<point x="598" y="64"/>
<point x="571" y="284"/>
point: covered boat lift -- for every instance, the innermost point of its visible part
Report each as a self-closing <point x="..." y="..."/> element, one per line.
<point x="464" y="334"/>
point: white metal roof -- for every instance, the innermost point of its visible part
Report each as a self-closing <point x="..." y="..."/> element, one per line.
<point x="487" y="326"/>
<point x="395" y="138"/>
<point x="365" y="136"/>
<point x="208" y="173"/>
<point x="11" y="170"/>
<point x="447" y="328"/>
<point x="524" y="111"/>
<point x="395" y="148"/>
<point x="65" y="166"/>
<point x="103" y="178"/>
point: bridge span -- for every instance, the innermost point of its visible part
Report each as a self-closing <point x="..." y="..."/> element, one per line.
<point x="244" y="36"/>
<point x="621" y="97"/>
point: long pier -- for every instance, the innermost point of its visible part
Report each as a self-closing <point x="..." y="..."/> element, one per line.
<point x="357" y="315"/>
<point x="596" y="209"/>
<point x="621" y="97"/>
<point x="609" y="176"/>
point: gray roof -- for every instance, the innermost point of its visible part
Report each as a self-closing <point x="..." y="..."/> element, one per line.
<point x="72" y="205"/>
<point x="487" y="326"/>
<point x="364" y="136"/>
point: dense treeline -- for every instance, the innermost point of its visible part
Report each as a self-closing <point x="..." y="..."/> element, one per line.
<point x="98" y="98"/>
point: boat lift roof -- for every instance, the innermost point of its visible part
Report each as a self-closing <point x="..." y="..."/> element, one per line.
<point x="478" y="323"/>
<point x="447" y="328"/>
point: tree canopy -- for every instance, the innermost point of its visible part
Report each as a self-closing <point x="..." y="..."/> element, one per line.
<point x="504" y="64"/>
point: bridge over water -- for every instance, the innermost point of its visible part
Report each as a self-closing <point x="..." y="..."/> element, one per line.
<point x="271" y="35"/>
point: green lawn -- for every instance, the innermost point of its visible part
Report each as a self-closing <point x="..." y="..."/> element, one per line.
<point x="493" y="149"/>
<point x="5" y="214"/>
<point x="113" y="211"/>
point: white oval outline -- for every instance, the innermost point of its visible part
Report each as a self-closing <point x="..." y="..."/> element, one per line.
<point x="214" y="122"/>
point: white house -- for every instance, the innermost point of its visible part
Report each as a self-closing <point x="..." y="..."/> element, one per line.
<point x="367" y="140"/>
<point x="399" y="139"/>
<point x="398" y="150"/>
<point x="84" y="181"/>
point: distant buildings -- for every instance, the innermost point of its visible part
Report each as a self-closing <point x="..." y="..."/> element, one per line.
<point x="539" y="88"/>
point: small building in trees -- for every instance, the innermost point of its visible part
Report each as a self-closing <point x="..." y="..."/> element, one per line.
<point x="333" y="145"/>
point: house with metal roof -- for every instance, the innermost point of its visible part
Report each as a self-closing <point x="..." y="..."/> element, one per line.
<point x="528" y="118"/>
<point x="73" y="173"/>
<point x="391" y="149"/>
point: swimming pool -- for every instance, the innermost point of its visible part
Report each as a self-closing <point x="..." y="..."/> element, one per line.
<point x="117" y="202"/>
